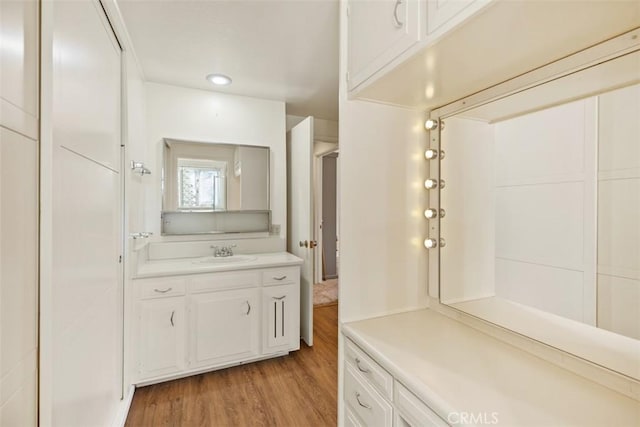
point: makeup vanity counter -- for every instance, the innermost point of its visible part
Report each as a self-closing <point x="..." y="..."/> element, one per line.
<point x="192" y="315"/>
<point x="423" y="368"/>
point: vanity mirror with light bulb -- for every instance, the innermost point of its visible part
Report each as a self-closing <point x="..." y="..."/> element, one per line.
<point x="543" y="208"/>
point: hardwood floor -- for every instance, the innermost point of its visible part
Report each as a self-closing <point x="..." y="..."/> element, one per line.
<point x="295" y="390"/>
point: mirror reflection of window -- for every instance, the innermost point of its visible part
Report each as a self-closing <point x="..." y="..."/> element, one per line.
<point x="543" y="209"/>
<point x="201" y="184"/>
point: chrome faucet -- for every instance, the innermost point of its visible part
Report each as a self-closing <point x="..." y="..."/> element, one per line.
<point x="223" y="251"/>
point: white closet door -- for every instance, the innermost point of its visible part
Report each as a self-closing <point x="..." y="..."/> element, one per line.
<point x="86" y="359"/>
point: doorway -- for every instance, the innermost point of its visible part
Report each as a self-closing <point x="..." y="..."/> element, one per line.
<point x="326" y="196"/>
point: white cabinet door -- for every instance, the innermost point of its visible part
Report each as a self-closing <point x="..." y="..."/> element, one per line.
<point x="379" y="31"/>
<point x="450" y="12"/>
<point x="161" y="337"/>
<point x="280" y="326"/>
<point x="225" y="326"/>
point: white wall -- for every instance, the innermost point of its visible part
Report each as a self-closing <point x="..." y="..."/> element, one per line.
<point x="619" y="212"/>
<point x="383" y="263"/>
<point x="203" y="116"/>
<point x="18" y="213"/>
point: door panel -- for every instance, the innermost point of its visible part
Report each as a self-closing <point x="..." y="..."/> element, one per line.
<point x="224" y="326"/>
<point x="86" y="312"/>
<point x="162" y="336"/>
<point x="301" y="220"/>
<point x="280" y="307"/>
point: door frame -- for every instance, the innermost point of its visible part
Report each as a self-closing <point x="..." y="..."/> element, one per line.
<point x="317" y="206"/>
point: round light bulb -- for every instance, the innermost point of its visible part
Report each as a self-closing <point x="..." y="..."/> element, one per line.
<point x="430" y="213"/>
<point x="430" y="243"/>
<point x="431" y="154"/>
<point x="431" y="124"/>
<point x="219" y="79"/>
<point x="430" y="183"/>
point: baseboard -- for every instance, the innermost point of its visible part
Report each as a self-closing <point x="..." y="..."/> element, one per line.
<point x="123" y="408"/>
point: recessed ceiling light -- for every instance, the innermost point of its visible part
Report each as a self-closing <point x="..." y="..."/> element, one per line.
<point x="219" y="79"/>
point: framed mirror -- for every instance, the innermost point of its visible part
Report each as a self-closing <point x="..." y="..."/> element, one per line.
<point x="214" y="187"/>
<point x="539" y="220"/>
<point x="200" y="176"/>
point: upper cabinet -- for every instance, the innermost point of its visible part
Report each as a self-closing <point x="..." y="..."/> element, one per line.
<point x="427" y="53"/>
<point x="379" y="31"/>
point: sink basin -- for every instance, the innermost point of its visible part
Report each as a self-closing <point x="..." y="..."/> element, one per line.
<point x="234" y="259"/>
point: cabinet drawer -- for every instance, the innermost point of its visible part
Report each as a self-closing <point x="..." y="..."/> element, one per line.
<point x="369" y="369"/>
<point x="218" y="281"/>
<point x="280" y="276"/>
<point x="411" y="411"/>
<point x="364" y="401"/>
<point x="161" y="287"/>
<point x="350" y="419"/>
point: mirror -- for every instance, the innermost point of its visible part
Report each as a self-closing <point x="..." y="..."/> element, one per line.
<point x="542" y="211"/>
<point x="205" y="177"/>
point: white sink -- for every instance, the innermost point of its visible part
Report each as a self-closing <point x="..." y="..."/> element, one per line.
<point x="234" y="259"/>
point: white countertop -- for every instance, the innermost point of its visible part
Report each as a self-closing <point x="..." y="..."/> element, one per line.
<point x="453" y="367"/>
<point x="181" y="266"/>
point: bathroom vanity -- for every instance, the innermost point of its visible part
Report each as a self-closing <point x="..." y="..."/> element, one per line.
<point x="193" y="315"/>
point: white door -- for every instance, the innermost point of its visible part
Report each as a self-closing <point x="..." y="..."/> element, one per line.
<point x="225" y="326"/>
<point x="301" y="236"/>
<point x="82" y="362"/>
<point x="280" y="305"/>
<point x="161" y="336"/>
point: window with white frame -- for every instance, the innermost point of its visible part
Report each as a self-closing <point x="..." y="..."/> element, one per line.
<point x="202" y="184"/>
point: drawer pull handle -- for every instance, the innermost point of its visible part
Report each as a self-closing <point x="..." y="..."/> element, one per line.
<point x="171" y="319"/>
<point x="279" y="298"/>
<point x="280" y="278"/>
<point x="364" y="405"/>
<point x="248" y="308"/>
<point x="360" y="368"/>
<point x="162" y="291"/>
<point x="398" y="23"/>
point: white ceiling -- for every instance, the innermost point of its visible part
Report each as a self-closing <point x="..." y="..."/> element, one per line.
<point x="283" y="50"/>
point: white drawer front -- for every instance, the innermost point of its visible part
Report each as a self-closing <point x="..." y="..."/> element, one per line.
<point x="218" y="281"/>
<point x="364" y="401"/>
<point x="374" y="373"/>
<point x="350" y="419"/>
<point x="161" y="287"/>
<point x="280" y="276"/>
<point x="411" y="411"/>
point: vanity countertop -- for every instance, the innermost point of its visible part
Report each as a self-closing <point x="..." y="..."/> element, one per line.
<point x="455" y="368"/>
<point x="181" y="266"/>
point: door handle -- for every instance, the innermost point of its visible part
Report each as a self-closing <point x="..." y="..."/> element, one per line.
<point x="364" y="405"/>
<point x="398" y="23"/>
<point x="313" y="244"/>
<point x="304" y="244"/>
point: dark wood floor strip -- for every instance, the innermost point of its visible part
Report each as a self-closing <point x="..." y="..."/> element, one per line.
<point x="295" y="390"/>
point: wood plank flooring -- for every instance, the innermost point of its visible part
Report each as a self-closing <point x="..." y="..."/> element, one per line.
<point x="295" y="390"/>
